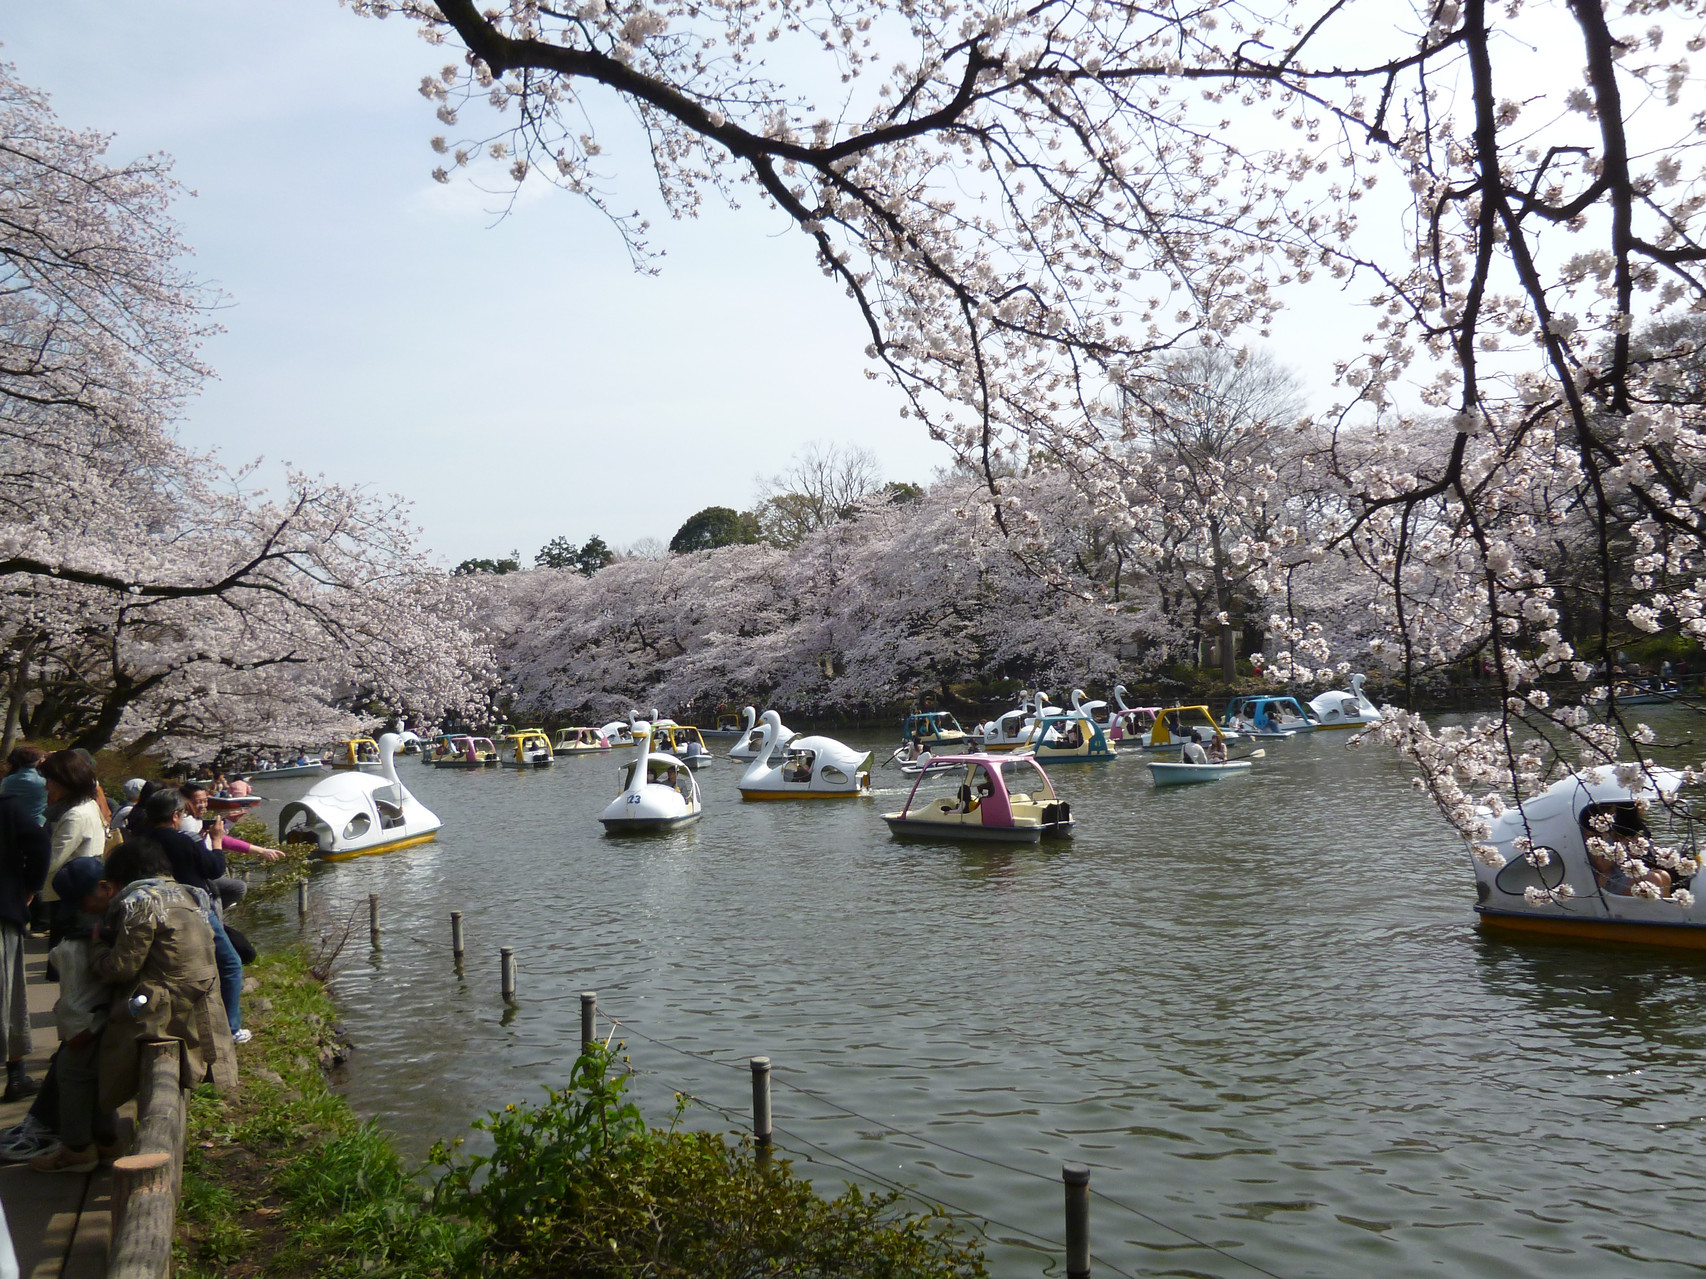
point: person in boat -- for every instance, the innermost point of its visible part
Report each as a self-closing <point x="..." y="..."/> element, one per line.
<point x="1193" y="752"/>
<point x="220" y="785"/>
<point x="1073" y="737"/>
<point x="799" y="768"/>
<point x="1617" y="845"/>
<point x="1217" y="750"/>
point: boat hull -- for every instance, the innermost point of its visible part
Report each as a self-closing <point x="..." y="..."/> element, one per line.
<point x="295" y="770"/>
<point x="1175" y="774"/>
<point x="465" y="764"/>
<point x="915" y="829"/>
<point x="1611" y="931"/>
<point x="382" y="846"/>
<point x="533" y="763"/>
<point x="645" y="825"/>
<point x="756" y="796"/>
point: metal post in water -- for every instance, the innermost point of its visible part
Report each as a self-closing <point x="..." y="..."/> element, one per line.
<point x="1077" y="1179"/>
<point x="761" y="1127"/>
<point x="508" y="978"/>
<point x="373" y="917"/>
<point x="302" y="899"/>
<point x="456" y="935"/>
<point x="589" y="1018"/>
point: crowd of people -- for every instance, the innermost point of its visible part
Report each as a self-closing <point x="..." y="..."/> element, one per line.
<point x="132" y="903"/>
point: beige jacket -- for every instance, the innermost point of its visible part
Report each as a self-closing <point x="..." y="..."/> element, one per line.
<point x="164" y="950"/>
<point x="79" y="832"/>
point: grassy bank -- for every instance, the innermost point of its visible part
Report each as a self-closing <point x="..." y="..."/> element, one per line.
<point x="284" y="1180"/>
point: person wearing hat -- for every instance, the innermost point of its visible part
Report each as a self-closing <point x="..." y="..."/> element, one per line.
<point x="88" y="1133"/>
<point x="132" y="795"/>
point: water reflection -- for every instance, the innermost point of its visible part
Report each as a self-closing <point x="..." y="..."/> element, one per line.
<point x="1258" y="1009"/>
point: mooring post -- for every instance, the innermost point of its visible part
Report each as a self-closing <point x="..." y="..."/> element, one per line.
<point x="373" y="918"/>
<point x="1077" y="1179"/>
<point x="456" y="935"/>
<point x="589" y="1018"/>
<point x="761" y="1128"/>
<point x="302" y="899"/>
<point x="508" y="957"/>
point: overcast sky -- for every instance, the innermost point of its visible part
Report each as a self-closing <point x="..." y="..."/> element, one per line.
<point x="514" y="377"/>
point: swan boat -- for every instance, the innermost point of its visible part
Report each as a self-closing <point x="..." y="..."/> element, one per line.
<point x="579" y="741"/>
<point x="1345" y="710"/>
<point x="353" y="814"/>
<point x="752" y="738"/>
<point x="1071" y="738"/>
<point x="1270" y="717"/>
<point x="1534" y="875"/>
<point x="1006" y="798"/>
<point x="618" y="732"/>
<point x="658" y="793"/>
<point x="932" y="728"/>
<point x="810" y="767"/>
<point x="529" y="748"/>
<point x="355" y="753"/>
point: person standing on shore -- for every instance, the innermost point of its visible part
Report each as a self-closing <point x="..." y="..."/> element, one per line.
<point x="79" y="830"/>
<point x="157" y="942"/>
<point x="24" y="782"/>
<point x="24" y="850"/>
<point x="192" y="862"/>
<point x="88" y="1133"/>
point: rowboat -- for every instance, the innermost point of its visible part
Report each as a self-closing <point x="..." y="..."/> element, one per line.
<point x="289" y="770"/>
<point x="1176" y="773"/>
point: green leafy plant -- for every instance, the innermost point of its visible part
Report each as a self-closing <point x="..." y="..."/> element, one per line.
<point x="581" y="1186"/>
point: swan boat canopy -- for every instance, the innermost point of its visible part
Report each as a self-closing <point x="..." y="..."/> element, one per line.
<point x="932" y="728"/>
<point x="658" y="793"/>
<point x="1008" y="798"/>
<point x="1345" y="710"/>
<point x="753" y="738"/>
<point x="463" y="751"/>
<point x="810" y="767"/>
<point x="352" y="814"/>
<point x="1071" y="738"/>
<point x="354" y="753"/>
<point x="529" y="748"/>
<point x="1268" y="716"/>
<point x="1176" y="725"/>
<point x="683" y="741"/>
<point x="1552" y="887"/>
<point x="579" y="741"/>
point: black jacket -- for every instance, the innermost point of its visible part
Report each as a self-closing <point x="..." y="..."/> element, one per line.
<point x="24" y="849"/>
<point x="193" y="862"/>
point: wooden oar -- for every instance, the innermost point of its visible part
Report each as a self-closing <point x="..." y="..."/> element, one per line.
<point x="1255" y="754"/>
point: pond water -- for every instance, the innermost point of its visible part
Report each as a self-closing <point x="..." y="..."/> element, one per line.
<point x="1259" y="1010"/>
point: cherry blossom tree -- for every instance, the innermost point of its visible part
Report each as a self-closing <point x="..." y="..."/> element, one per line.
<point x="148" y="593"/>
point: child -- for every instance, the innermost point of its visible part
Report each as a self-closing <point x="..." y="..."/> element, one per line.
<point x="87" y="1133"/>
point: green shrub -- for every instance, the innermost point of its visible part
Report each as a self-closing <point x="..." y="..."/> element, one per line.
<point x="581" y="1186"/>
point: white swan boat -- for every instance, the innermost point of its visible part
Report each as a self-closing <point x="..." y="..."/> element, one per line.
<point x="1534" y="873"/>
<point x="658" y="793"/>
<point x="352" y="814"/>
<point x="1345" y="710"/>
<point x="810" y="767"/>
<point x="752" y="737"/>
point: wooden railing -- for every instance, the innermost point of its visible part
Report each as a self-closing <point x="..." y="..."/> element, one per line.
<point x="147" y="1181"/>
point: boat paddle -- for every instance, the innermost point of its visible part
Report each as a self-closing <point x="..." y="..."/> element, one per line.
<point x="1258" y="753"/>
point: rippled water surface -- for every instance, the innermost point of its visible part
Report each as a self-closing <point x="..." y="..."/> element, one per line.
<point x="1259" y="1010"/>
